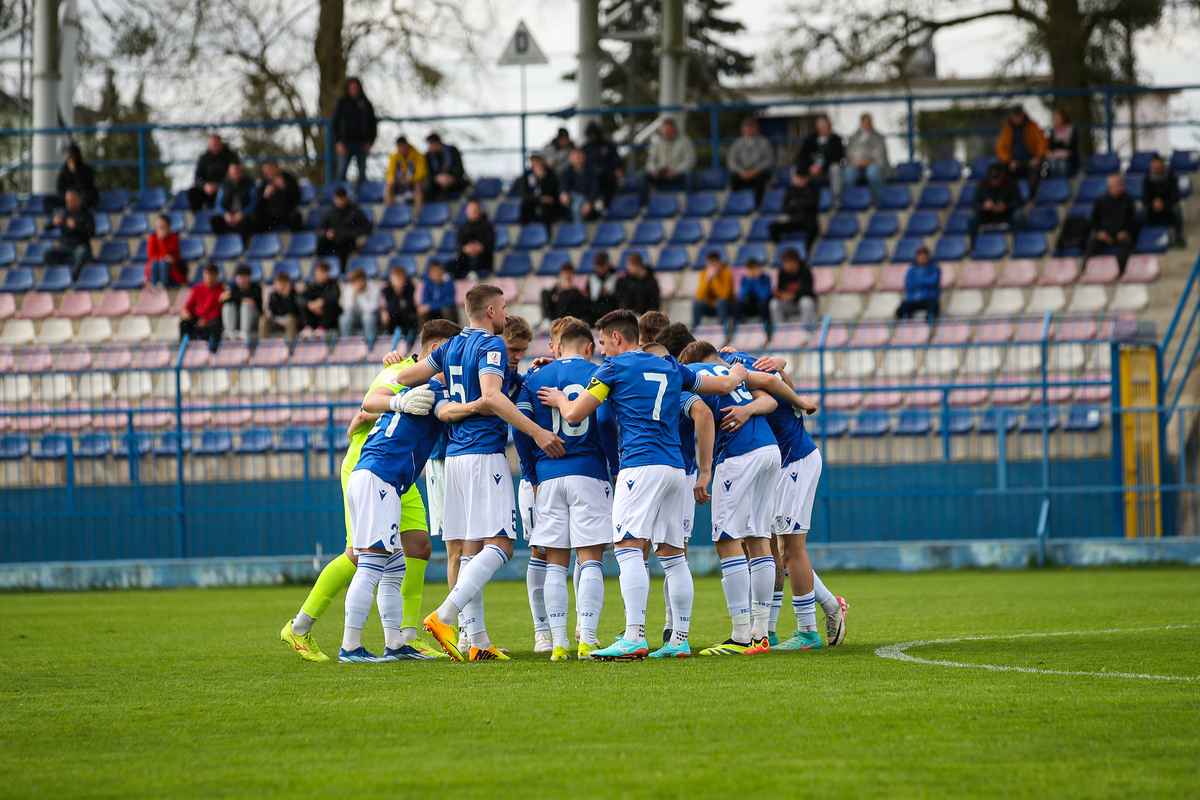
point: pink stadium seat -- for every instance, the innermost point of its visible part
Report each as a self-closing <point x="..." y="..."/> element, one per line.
<point x="37" y="305"/>
<point x="708" y="333"/>
<point x="38" y="422"/>
<point x="197" y="355"/>
<point x="993" y="331"/>
<point x="316" y="415"/>
<point x="837" y="336"/>
<point x="822" y="280"/>
<point x="1030" y="330"/>
<point x="1010" y="395"/>
<point x="1095" y="394"/>
<point x="383" y="346"/>
<point x="8" y="306"/>
<point x="1101" y="270"/>
<point x="884" y="395"/>
<point x="350" y="350"/>
<point x="309" y="353"/>
<point x="509" y="287"/>
<point x="196" y="414"/>
<point x="666" y="285"/>
<point x="952" y="331"/>
<point x="1055" y="394"/>
<point x="73" y="422"/>
<point x="1076" y="329"/>
<point x="892" y="278"/>
<point x="113" y="304"/>
<point x="155" y="415"/>
<point x="232" y="416"/>
<point x="1141" y="269"/>
<point x="968" y="396"/>
<point x="1060" y="272"/>
<point x="910" y="333"/>
<point x="152" y="356"/>
<point x="843" y="400"/>
<point x="748" y="337"/>
<point x="270" y="353"/>
<point x="343" y="413"/>
<point x="947" y="275"/>
<point x="856" y="280"/>
<point x="111" y="419"/>
<point x="460" y="290"/>
<point x="231" y="354"/>
<point x="112" y="358"/>
<point x="153" y="303"/>
<point x="790" y="337"/>
<point x="923" y="398"/>
<point x="870" y="334"/>
<point x="534" y="286"/>
<point x="272" y="416"/>
<point x="180" y="301"/>
<point x="6" y="359"/>
<point x="75" y="305"/>
<point x="1018" y="273"/>
<point x="1119" y="326"/>
<point x="73" y="358"/>
<point x="35" y="359"/>
<point x="978" y="275"/>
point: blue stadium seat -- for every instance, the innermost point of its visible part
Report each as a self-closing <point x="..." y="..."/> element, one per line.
<point x="1104" y="164"/>
<point x="202" y="222"/>
<point x="922" y="223"/>
<point x="988" y="247"/>
<point x="14" y="446"/>
<point x="894" y="198"/>
<point x="103" y="225"/>
<point x="552" y="262"/>
<point x="747" y="252"/>
<point x="398" y="216"/>
<point x="139" y="253"/>
<point x="180" y="201"/>
<point x="256" y="270"/>
<point x="1153" y="239"/>
<point x="624" y="207"/>
<point x="56" y="279"/>
<point x="906" y="250"/>
<point x="700" y="204"/>
<point x="367" y="264"/>
<point x="515" y="265"/>
<point x="870" y="251"/>
<point x="167" y="444"/>
<point x="502" y="241"/>
<point x="725" y="231"/>
<point x="966" y="196"/>
<point x="287" y="266"/>
<point x="1082" y="419"/>
<point x="783" y="178"/>
<point x="18" y="279"/>
<point x="433" y="215"/>
<point x="8" y="254"/>
<point x="1030" y="244"/>
<point x="993" y="418"/>
<point x="152" y="198"/>
<point x="8" y="204"/>
<point x="907" y="172"/>
<point x="950" y="248"/>
<point x="956" y="223"/>
<point x="828" y="253"/>
<point x="570" y="234"/>
<point x="710" y="248"/>
<point x="1185" y="161"/>
<point x="52" y="447"/>
<point x="20" y="228"/>
<point x="772" y="202"/>
<point x="406" y="263"/>
<point x="226" y="274"/>
<point x="1035" y="419"/>
<point x="855" y="198"/>
<point x="713" y="179"/>
<point x="760" y="229"/>
<point x="227" y="247"/>
<point x="302" y="245"/>
<point x="945" y="170"/>
<point x="193" y="249"/>
<point x="671" y="259"/>
<point x="532" y="237"/>
<point x="829" y="424"/>
<point x="379" y="243"/>
<point x="94" y="445"/>
<point x="881" y="226"/>
<point x="131" y="278"/>
<point x="1042" y="218"/>
<point x="1053" y="192"/>
<point x="799" y="247"/>
<point x="292" y="440"/>
<point x="178" y="220"/>
<point x="608" y="234"/>
<point x="143" y="443"/>
<point x="959" y="422"/>
<point x="323" y="440"/>
<point x="448" y="248"/>
<point x="587" y="261"/>
<point x="264" y="245"/>
<point x="486" y="189"/>
<point x="739" y="204"/>
<point x="214" y="442"/>
<point x="34" y="255"/>
<point x="842" y="226"/>
<point x="913" y="422"/>
<point x="641" y="251"/>
<point x="254" y="441"/>
<point x="687" y="231"/>
<point x="870" y="424"/>
<point x="1133" y="185"/>
<point x="824" y="199"/>
<point x="979" y="166"/>
<point x="1090" y="190"/>
<point x="92" y="279"/>
<point x="416" y="242"/>
<point x="132" y="225"/>
<point x="648" y="234"/>
<point x="1139" y="162"/>
<point x="325" y="196"/>
<point x="508" y="212"/>
<point x="662" y="206"/>
<point x="113" y="201"/>
<point x="370" y="192"/>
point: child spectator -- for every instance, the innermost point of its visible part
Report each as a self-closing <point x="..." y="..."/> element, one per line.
<point x="754" y="296"/>
<point x="164" y="265"/>
<point x="399" y="306"/>
<point x="341" y="226"/>
<point x="922" y="287"/>
<point x="321" y="298"/>
<point x="283" y="310"/>
<point x="201" y="315"/>
<point x="793" y="295"/>
<point x="714" y="294"/>
<point x="360" y="307"/>
<point x="437" y="295"/>
<point x="638" y="290"/>
<point x="241" y="305"/>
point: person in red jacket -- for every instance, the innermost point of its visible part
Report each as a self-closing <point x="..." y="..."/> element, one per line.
<point x="164" y="265"/>
<point x="201" y="316"/>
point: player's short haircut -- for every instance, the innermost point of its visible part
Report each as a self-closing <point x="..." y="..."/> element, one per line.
<point x="622" y="321"/>
<point x="675" y="337"/>
<point x="439" y="330"/>
<point x="516" y="328"/>
<point x="651" y="324"/>
<point x="560" y="323"/>
<point x="576" y="333"/>
<point x="243" y="269"/>
<point x="356" y="274"/>
<point x="697" y="352"/>
<point x="480" y="297"/>
<point x="655" y="349"/>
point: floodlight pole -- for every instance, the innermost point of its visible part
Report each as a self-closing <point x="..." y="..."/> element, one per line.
<point x="671" y="73"/>
<point x="69" y="34"/>
<point x="589" y="60"/>
<point x="45" y="94"/>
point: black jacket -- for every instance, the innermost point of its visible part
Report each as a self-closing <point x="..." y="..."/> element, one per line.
<point x="348" y="221"/>
<point x="1008" y="193"/>
<point x="801" y="283"/>
<point x="81" y="234"/>
<point x="281" y="306"/>
<point x="601" y="154"/>
<point x="584" y="182"/>
<point x="1113" y="214"/>
<point x="480" y="231"/>
<point x="1070" y="143"/>
<point x="280" y="203"/>
<point x="802" y="202"/>
<point x="332" y="295"/>
<point x="354" y="121"/>
<point x="831" y="152"/>
<point x="237" y="197"/>
<point x="212" y="167"/>
<point x="639" y="295"/>
<point x="82" y="180"/>
<point x="1166" y="190"/>
<point x="533" y="187"/>
<point x="401" y="306"/>
<point x="236" y="295"/>
<point x="448" y="161"/>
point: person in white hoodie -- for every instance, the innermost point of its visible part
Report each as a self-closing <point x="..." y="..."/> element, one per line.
<point x="360" y="306"/>
<point x="670" y="162"/>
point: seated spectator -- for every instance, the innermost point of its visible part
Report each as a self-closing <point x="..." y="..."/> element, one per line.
<point x="360" y="307"/>
<point x="922" y="287"/>
<point x="278" y="200"/>
<point x="670" y="162"/>
<point x="714" y="294"/>
<point x="539" y="193"/>
<point x="476" y="242"/>
<point x="164" y="265"/>
<point x="1160" y="198"/>
<point x="754" y="296"/>
<point x="602" y="159"/>
<point x="354" y="130"/>
<point x="557" y="154"/>
<point x="76" y="225"/>
<point x="437" y="295"/>
<point x="997" y="201"/>
<point x="1021" y="148"/>
<point x="867" y="157"/>
<point x="793" y="295"/>
<point x="322" y="309"/>
<point x="399" y="306"/>
<point x="406" y="173"/>
<point x="446" y="176"/>
<point x="579" y="190"/>
<point x="1063" y="154"/>
<point x="73" y="174"/>
<point x="638" y="289"/>
<point x="241" y="305"/>
<point x="801" y="204"/>
<point x="564" y="299"/>
<point x="201" y="315"/>
<point x="1114" y="222"/>
<point x="283" y="311"/>
<point x="236" y="200"/>
<point x="341" y="227"/>
<point x="750" y="160"/>
<point x="211" y="169"/>
<point x="602" y="288"/>
<point x="821" y="154"/>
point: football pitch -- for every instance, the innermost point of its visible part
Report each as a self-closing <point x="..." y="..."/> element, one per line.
<point x="189" y="693"/>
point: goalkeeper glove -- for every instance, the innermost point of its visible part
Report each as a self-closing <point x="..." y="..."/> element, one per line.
<point x="417" y="402"/>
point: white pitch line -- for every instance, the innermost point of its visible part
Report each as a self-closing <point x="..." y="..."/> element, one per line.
<point x="898" y="652"/>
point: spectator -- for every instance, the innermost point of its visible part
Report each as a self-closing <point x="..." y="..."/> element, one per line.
<point x="579" y="190"/>
<point x="283" y="310"/>
<point x="714" y="294"/>
<point x="437" y="295"/>
<point x="539" y="193"/>
<point x="602" y="288"/>
<point x="164" y="264"/>
<point x="444" y="168"/>
<point x="997" y="201"/>
<point x="867" y="157"/>
<point x="793" y="295"/>
<point x="601" y="157"/>
<point x="322" y="299"/>
<point x="278" y="200"/>
<point x="1021" y="148"/>
<point x="341" y="226"/>
<point x="201" y="315"/>
<point x="73" y="174"/>
<point x="360" y="307"/>
<point x="564" y="299"/>
<point x="236" y="201"/>
<point x="638" y="289"/>
<point x="750" y="160"/>
<point x="211" y="169"/>
<point x="670" y="162"/>
<point x="399" y="306"/>
<point x="801" y="204"/>
<point x="1160" y="198"/>
<point x="557" y="154"/>
<point x="1114" y="222"/>
<point x="354" y="129"/>
<point x="754" y="296"/>
<point x="476" y="242"/>
<point x="1063" y="155"/>
<point x="241" y="305"/>
<point x="76" y="225"/>
<point x="922" y="287"/>
<point x="406" y="176"/>
<point x="821" y="154"/>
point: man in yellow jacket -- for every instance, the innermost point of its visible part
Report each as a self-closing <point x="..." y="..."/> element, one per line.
<point x="1022" y="147"/>
<point x="406" y="174"/>
<point x="714" y="295"/>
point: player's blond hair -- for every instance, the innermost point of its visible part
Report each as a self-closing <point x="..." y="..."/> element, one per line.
<point x="517" y="328"/>
<point x="560" y="323"/>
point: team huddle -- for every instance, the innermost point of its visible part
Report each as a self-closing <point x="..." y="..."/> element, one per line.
<point x="615" y="455"/>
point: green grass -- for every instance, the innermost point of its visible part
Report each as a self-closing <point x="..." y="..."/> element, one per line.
<point x="189" y="693"/>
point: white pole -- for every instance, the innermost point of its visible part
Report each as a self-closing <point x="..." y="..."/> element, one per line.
<point x="522" y="165"/>
<point x="589" y="60"/>
<point x="69" y="28"/>
<point x="45" y="94"/>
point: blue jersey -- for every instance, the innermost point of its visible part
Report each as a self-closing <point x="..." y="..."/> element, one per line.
<point x="754" y="434"/>
<point x="463" y="359"/>
<point x="644" y="391"/>
<point x="588" y="443"/>
<point x="525" y="447"/>
<point x="787" y="421"/>
<point x="687" y="431"/>
<point x="399" y="445"/>
<point x="439" y="449"/>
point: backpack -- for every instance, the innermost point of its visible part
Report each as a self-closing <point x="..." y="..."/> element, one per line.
<point x="1074" y="235"/>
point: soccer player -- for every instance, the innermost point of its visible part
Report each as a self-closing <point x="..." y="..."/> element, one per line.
<point x="650" y="325"/>
<point x="338" y="573"/>
<point x="480" y="503"/>
<point x="747" y="464"/>
<point x="651" y="487"/>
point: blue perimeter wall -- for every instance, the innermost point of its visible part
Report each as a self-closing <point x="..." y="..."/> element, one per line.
<point x="892" y="503"/>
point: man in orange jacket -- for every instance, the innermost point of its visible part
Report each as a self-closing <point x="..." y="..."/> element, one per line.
<point x="714" y="295"/>
<point x="1022" y="147"/>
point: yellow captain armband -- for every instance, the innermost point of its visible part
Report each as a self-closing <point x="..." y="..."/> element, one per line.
<point x="598" y="390"/>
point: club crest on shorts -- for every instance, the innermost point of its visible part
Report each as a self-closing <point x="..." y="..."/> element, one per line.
<point x="778" y="522"/>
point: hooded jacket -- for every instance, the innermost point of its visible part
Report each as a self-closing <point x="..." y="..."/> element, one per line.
<point x="212" y="167"/>
<point x="602" y="157"/>
<point x="354" y="120"/>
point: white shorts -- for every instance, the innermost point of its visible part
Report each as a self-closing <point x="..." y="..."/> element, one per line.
<point x="689" y="509"/>
<point x="435" y="490"/>
<point x="479" y="498"/>
<point x="648" y="504"/>
<point x="743" y="494"/>
<point x="573" y="511"/>
<point x="795" y="493"/>
<point x="374" y="512"/>
<point x="525" y="504"/>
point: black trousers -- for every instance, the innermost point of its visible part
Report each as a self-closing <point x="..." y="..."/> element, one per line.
<point x="758" y="183"/>
<point x="197" y="199"/>
<point x="931" y="307"/>
<point x="198" y="329"/>
<point x="341" y="246"/>
<point x="808" y="227"/>
<point x="1124" y="249"/>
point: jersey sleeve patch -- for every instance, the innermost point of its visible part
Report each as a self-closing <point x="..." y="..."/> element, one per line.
<point x="493" y="358"/>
